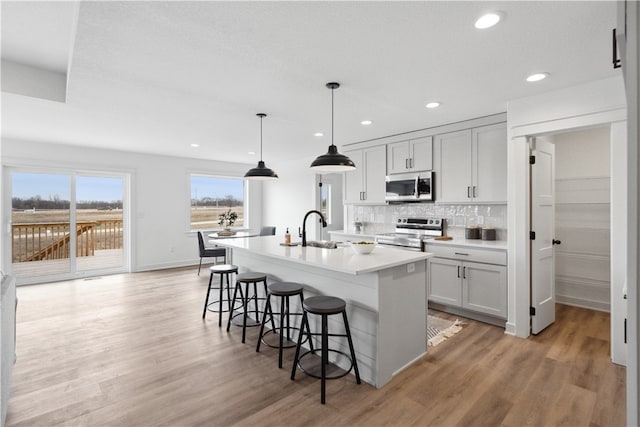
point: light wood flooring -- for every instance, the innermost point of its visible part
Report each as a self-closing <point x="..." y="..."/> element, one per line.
<point x="132" y="350"/>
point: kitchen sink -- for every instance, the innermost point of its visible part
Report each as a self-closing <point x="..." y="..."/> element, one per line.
<point x="325" y="244"/>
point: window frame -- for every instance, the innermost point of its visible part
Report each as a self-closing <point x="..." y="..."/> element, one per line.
<point x="190" y="174"/>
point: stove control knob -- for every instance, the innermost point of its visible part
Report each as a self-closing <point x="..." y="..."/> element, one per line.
<point x="399" y="220"/>
<point x="430" y="221"/>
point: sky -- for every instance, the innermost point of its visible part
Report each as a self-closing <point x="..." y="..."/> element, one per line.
<point x="217" y="188"/>
<point x="88" y="188"/>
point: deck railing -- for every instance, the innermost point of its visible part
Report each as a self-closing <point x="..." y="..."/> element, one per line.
<point x="46" y="241"/>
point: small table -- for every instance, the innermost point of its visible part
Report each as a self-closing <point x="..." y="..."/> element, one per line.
<point x="247" y="233"/>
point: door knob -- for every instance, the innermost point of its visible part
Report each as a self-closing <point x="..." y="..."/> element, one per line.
<point x="556" y="242"/>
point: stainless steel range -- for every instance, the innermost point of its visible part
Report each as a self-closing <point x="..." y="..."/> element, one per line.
<point x="412" y="232"/>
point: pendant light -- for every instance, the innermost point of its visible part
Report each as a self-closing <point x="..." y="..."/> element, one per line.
<point x="261" y="171"/>
<point x="332" y="161"/>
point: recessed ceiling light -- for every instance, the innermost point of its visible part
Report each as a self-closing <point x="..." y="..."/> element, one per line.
<point x="318" y="134"/>
<point x="366" y="122"/>
<point x="537" y="77"/>
<point x="252" y="153"/>
<point x="195" y="145"/>
<point x="434" y="104"/>
<point x="488" y="20"/>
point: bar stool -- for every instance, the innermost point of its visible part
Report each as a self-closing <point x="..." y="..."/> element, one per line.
<point x="222" y="270"/>
<point x="246" y="279"/>
<point x="324" y="306"/>
<point x="284" y="290"/>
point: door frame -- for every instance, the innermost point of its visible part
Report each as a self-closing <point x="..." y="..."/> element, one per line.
<point x="519" y="206"/>
<point x="5" y="215"/>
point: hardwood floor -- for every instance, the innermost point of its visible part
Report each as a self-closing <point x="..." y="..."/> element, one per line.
<point x="132" y="350"/>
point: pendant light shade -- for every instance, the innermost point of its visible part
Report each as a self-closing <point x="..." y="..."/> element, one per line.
<point x="261" y="172"/>
<point x="333" y="161"/>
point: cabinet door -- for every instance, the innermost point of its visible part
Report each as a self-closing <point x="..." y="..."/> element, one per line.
<point x="453" y="174"/>
<point x="398" y="157"/>
<point x="353" y="179"/>
<point x="375" y="171"/>
<point x="484" y="288"/>
<point x="421" y="154"/>
<point x="445" y="281"/>
<point x="489" y="151"/>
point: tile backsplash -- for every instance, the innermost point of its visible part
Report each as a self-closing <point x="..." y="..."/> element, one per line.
<point x="382" y="219"/>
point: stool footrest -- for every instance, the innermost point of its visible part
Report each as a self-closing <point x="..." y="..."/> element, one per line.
<point x="312" y="365"/>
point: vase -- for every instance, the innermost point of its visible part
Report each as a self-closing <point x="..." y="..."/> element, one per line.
<point x="226" y="232"/>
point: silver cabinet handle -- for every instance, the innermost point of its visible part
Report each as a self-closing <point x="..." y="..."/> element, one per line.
<point x="469" y="192"/>
<point x="461" y="253"/>
<point x="474" y="191"/>
<point x="364" y="195"/>
<point x="406" y="163"/>
<point x="464" y="272"/>
<point x="458" y="272"/>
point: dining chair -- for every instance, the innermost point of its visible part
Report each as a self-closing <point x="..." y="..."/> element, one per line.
<point x="205" y="252"/>
<point x="268" y="230"/>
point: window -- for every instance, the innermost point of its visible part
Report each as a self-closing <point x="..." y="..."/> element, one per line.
<point x="325" y="194"/>
<point x="212" y="196"/>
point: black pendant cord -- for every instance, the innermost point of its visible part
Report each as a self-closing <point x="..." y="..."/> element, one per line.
<point x="332" y="90"/>
<point x="262" y="116"/>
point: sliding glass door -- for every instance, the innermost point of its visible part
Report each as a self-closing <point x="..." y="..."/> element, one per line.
<point x="40" y="224"/>
<point x="67" y="225"/>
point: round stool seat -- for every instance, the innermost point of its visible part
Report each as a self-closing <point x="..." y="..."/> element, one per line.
<point x="283" y="289"/>
<point x="224" y="268"/>
<point x="251" y="276"/>
<point x="324" y="305"/>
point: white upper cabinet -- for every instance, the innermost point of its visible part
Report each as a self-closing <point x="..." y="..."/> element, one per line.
<point x="366" y="184"/>
<point x="410" y="156"/>
<point x="471" y="165"/>
<point x="489" y="150"/>
<point x="453" y="173"/>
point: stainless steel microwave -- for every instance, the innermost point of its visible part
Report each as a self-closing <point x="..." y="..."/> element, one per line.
<point x="410" y="187"/>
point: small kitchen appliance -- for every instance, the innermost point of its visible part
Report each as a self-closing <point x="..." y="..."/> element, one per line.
<point x="410" y="187"/>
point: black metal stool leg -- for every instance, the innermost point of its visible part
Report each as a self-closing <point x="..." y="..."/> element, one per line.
<point x="206" y="300"/>
<point x="297" y="355"/>
<point x="220" y="302"/>
<point x="244" y="314"/>
<point x="228" y="291"/>
<point x="233" y="304"/>
<point x="351" y="350"/>
<point x="267" y="311"/>
<point x="324" y="360"/>
<point x="282" y="299"/>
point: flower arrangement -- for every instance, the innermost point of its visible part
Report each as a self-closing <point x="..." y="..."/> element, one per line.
<point x="227" y="218"/>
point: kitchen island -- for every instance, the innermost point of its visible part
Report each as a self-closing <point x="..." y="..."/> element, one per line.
<point x="384" y="291"/>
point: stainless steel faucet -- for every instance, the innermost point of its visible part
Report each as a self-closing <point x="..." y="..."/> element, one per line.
<point x="304" y="225"/>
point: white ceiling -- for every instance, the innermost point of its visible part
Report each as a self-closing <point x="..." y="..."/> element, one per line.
<point x="158" y="76"/>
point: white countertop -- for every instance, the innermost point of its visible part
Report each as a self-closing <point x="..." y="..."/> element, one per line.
<point x="342" y="259"/>
<point x="457" y="241"/>
<point x="471" y="243"/>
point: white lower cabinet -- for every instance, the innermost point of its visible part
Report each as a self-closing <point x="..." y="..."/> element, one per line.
<point x="470" y="285"/>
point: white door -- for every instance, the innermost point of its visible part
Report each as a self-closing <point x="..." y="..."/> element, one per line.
<point x="543" y="289"/>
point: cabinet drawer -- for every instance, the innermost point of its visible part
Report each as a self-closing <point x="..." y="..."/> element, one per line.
<point x="486" y="256"/>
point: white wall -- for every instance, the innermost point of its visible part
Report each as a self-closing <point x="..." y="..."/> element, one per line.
<point x="159" y="194"/>
<point x="582" y="153"/>
<point x="288" y="199"/>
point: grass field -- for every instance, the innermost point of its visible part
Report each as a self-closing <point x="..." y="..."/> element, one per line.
<point x="201" y="217"/>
